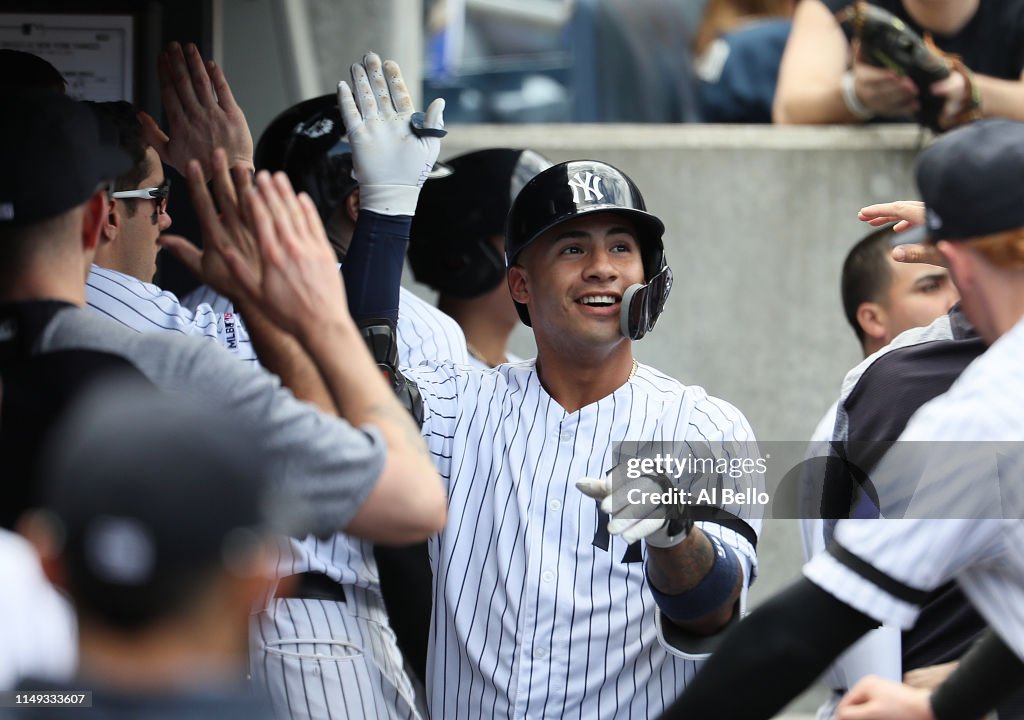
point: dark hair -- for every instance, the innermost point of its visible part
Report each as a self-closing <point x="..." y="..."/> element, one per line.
<point x="24" y="71"/>
<point x="866" y="274"/>
<point x="123" y="116"/>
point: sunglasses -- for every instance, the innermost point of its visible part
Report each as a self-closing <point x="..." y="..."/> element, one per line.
<point x="158" y="195"/>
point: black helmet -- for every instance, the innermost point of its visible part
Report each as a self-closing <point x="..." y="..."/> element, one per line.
<point x="457" y="215"/>
<point x="579" y="187"/>
<point x="307" y="142"/>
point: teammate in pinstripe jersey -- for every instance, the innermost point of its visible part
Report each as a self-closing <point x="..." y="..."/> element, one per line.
<point x="881" y="570"/>
<point x="539" y="611"/>
<point x="307" y="143"/>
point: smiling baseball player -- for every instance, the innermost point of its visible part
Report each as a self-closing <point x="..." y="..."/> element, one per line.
<point x="540" y="609"/>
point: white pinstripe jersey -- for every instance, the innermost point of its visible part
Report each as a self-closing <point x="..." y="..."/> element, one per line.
<point x="424" y="333"/>
<point x="144" y="307"/>
<point x="986" y="403"/>
<point x="531" y="618"/>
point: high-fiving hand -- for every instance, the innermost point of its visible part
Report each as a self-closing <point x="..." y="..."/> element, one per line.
<point x="390" y="159"/>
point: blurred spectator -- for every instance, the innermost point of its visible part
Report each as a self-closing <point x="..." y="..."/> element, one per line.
<point x="561" y="61"/>
<point x="822" y="80"/>
<point x="737" y="53"/>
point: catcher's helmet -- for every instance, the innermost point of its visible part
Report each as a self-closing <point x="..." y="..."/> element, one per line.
<point x="307" y="142"/>
<point x="579" y="187"/>
<point x="457" y="215"/>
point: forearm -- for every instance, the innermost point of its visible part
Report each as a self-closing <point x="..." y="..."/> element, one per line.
<point x="681" y="569"/>
<point x="988" y="673"/>
<point x="409" y="488"/>
<point x="817" y="102"/>
<point x="1001" y="98"/>
<point x="777" y="651"/>
<point x="281" y="354"/>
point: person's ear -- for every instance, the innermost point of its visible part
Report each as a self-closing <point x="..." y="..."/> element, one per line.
<point x="518" y="284"/>
<point x="112" y="225"/>
<point x="352" y="205"/>
<point x="93" y="220"/>
<point x="40" y="528"/>
<point x="872" y="317"/>
<point x="960" y="263"/>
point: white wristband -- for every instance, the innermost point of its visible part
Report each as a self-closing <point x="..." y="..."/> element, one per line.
<point x="389" y="199"/>
<point x="850" y="99"/>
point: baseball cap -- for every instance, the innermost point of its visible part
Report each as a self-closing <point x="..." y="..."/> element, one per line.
<point x="152" y="494"/>
<point x="54" y="152"/>
<point x="972" y="180"/>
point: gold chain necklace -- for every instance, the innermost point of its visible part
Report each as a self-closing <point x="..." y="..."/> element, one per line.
<point x="632" y="370"/>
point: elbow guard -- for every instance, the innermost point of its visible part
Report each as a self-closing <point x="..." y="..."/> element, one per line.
<point x="382" y="339"/>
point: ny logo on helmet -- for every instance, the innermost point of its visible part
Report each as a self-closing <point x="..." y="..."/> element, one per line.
<point x="589" y="184"/>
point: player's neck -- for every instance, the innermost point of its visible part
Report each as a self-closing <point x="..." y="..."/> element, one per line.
<point x="486" y="324"/>
<point x="577" y="381"/>
<point x="946" y="17"/>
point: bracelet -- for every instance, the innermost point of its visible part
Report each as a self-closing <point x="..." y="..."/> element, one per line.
<point x="971" y="109"/>
<point x="850" y="99"/>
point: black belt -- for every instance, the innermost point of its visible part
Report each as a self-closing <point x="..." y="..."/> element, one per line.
<point x="310" y="586"/>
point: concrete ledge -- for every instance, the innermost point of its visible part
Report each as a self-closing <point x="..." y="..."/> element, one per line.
<point x="703" y="137"/>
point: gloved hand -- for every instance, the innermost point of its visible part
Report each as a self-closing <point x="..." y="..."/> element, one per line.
<point x="391" y="161"/>
<point x="633" y="514"/>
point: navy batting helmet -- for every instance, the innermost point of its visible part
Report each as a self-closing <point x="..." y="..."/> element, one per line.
<point x="580" y="187"/>
<point x="307" y="142"/>
<point x="450" y="242"/>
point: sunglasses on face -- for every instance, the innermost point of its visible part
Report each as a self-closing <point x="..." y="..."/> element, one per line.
<point x="158" y="195"/>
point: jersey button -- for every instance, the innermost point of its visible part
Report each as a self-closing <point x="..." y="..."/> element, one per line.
<point x="566" y="436"/>
<point x="547" y="576"/>
<point x="540" y="653"/>
<point x="555" y="505"/>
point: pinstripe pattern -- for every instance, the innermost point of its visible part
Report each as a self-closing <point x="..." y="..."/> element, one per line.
<point x="983" y="404"/>
<point x="370" y="681"/>
<point x="356" y="688"/>
<point x="144" y="307"/>
<point x="530" y="618"/>
<point x="424" y="332"/>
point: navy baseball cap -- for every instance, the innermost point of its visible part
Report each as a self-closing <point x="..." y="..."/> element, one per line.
<point x="972" y="180"/>
<point x="54" y="153"/>
<point x="152" y="495"/>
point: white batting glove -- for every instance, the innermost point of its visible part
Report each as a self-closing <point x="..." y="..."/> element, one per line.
<point x="390" y="161"/>
<point x="636" y="520"/>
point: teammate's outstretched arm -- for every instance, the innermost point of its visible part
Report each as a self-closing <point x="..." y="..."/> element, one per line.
<point x="988" y="673"/>
<point x="295" y="284"/>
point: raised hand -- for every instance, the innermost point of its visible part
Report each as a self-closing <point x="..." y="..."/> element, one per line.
<point x="296" y="284"/>
<point x="390" y="159"/>
<point x="201" y="111"/>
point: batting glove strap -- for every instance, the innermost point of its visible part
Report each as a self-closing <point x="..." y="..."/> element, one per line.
<point x="673" y="533"/>
<point x="389" y="199"/>
<point x="709" y="594"/>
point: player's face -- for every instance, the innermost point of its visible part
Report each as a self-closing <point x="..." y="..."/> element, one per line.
<point x="918" y="294"/>
<point x="139" y="232"/>
<point x="573" y="277"/>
